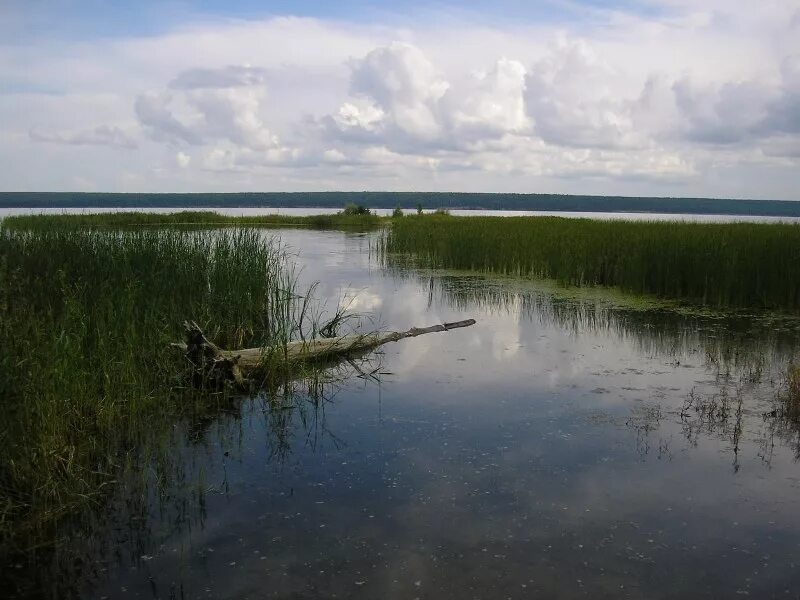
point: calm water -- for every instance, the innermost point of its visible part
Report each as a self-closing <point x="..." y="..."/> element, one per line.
<point x="6" y="212"/>
<point x="557" y="449"/>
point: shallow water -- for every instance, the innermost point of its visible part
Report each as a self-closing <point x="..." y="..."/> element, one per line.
<point x="559" y="448"/>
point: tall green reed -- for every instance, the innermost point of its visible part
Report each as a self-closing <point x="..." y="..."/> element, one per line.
<point x="733" y="265"/>
<point x="86" y="318"/>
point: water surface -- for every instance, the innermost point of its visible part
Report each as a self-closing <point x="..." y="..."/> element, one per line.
<point x="559" y="448"/>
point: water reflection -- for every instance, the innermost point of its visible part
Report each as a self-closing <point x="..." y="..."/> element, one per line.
<point x="748" y="355"/>
<point x="562" y="447"/>
<point x="732" y="343"/>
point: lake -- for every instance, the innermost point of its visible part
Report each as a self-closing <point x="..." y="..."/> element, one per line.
<point x="568" y="445"/>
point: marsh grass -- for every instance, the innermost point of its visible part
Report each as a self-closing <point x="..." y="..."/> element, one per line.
<point x="731" y="265"/>
<point x="347" y="219"/>
<point x="791" y="399"/>
<point x="86" y="319"/>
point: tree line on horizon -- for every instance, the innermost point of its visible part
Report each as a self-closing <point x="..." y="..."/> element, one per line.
<point x="405" y="200"/>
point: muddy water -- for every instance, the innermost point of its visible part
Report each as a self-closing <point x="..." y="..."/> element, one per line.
<point x="560" y="448"/>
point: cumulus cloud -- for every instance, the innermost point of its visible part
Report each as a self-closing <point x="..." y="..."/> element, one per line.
<point x="404" y="86"/>
<point x="561" y="117"/>
<point x="356" y="121"/>
<point x="727" y="114"/>
<point x="745" y="112"/>
<point x="400" y="100"/>
<point x="102" y="135"/>
<point x="234" y="115"/>
<point x="155" y="115"/>
<point x="490" y="104"/>
<point x="704" y="94"/>
<point x="206" y="106"/>
<point x="573" y="101"/>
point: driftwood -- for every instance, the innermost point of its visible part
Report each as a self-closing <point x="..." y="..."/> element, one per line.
<point x="212" y="364"/>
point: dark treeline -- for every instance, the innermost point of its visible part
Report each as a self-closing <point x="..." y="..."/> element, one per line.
<point x="406" y="200"/>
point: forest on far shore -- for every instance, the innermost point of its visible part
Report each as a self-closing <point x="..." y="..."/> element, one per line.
<point x="406" y="200"/>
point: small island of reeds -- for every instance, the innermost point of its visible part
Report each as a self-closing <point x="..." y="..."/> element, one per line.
<point x="717" y="265"/>
<point x="345" y="219"/>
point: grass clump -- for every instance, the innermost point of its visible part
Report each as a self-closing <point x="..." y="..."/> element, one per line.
<point x="731" y="265"/>
<point x="86" y="318"/>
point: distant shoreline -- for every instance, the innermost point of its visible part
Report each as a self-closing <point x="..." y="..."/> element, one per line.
<point x="405" y="200"/>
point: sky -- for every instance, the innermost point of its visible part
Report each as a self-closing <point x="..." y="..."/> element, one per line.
<point x="630" y="97"/>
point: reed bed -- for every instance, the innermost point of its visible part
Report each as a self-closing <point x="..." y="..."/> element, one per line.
<point x="86" y="318"/>
<point x="731" y="265"/>
<point x="792" y="396"/>
<point x="342" y="220"/>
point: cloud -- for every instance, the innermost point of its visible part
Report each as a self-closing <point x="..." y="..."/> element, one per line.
<point x="333" y="156"/>
<point x="704" y="95"/>
<point x="741" y="112"/>
<point x="402" y="101"/>
<point x="102" y="135"/>
<point x="490" y="104"/>
<point x="404" y="86"/>
<point x="783" y="114"/>
<point x="156" y="117"/>
<point x="571" y="96"/>
<point x="225" y="77"/>
<point x="207" y="106"/>
<point x="727" y="114"/>
<point x="506" y="119"/>
<point x="183" y="159"/>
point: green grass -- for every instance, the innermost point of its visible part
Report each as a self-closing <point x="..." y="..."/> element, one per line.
<point x="343" y="220"/>
<point x="732" y="265"/>
<point x="86" y="319"/>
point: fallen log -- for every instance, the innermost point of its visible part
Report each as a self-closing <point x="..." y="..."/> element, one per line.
<point x="212" y="364"/>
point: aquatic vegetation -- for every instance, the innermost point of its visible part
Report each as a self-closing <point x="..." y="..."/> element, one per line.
<point x="314" y="485"/>
<point x="791" y="400"/>
<point x="732" y="265"/>
<point x="352" y="209"/>
<point x="86" y="318"/>
<point x="342" y="220"/>
<point x="746" y="347"/>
